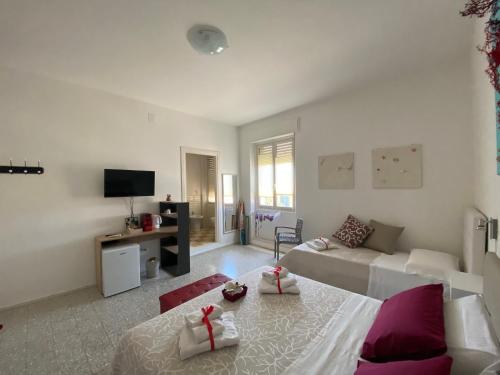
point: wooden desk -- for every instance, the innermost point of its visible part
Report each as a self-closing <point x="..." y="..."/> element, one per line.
<point x="163" y="232"/>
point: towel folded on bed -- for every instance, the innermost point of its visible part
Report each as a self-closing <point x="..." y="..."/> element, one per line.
<point x="200" y="333"/>
<point x="188" y="346"/>
<point x="194" y="319"/>
<point x="269" y="275"/>
<point x="321" y="243"/>
<point x="285" y="282"/>
<point x="267" y="288"/>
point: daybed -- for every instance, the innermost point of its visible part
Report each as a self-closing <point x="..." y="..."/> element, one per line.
<point x="344" y="267"/>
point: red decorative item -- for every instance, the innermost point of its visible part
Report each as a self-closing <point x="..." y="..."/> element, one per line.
<point x="233" y="297"/>
<point x="277" y="271"/>
<point x="206" y="312"/>
<point x="353" y="232"/>
<point x="147" y="222"/>
<point x="491" y="46"/>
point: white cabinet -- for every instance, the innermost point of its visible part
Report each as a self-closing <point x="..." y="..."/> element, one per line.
<point x="120" y="268"/>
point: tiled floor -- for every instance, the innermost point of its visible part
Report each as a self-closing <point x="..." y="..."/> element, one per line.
<point x="77" y="333"/>
<point x="202" y="237"/>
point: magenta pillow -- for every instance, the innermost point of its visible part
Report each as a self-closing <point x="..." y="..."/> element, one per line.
<point x="409" y="325"/>
<point x="434" y="366"/>
<point x="353" y="232"/>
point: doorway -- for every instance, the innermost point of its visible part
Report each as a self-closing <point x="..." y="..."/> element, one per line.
<point x="200" y="190"/>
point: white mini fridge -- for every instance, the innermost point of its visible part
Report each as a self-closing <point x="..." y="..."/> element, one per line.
<point x="121" y="269"/>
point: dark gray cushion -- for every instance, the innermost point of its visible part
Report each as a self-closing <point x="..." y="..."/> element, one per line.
<point x="383" y="238"/>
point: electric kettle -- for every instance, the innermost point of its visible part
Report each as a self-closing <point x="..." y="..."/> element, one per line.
<point x="156" y="221"/>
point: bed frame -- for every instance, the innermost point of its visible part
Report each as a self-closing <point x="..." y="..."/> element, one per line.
<point x="492" y="288"/>
<point x="474" y="241"/>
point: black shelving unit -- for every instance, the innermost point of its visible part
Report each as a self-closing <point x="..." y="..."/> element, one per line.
<point x="175" y="250"/>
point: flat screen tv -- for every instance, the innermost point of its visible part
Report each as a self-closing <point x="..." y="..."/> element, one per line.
<point x="127" y="183"/>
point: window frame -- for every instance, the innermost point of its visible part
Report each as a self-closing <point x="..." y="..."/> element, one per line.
<point x="273" y="142"/>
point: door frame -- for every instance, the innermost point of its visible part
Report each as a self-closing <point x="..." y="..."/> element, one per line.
<point x="218" y="198"/>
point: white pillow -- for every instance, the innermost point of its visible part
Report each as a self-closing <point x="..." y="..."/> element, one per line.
<point x="431" y="263"/>
<point x="470" y="336"/>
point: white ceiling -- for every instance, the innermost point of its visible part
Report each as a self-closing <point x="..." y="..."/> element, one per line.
<point x="283" y="53"/>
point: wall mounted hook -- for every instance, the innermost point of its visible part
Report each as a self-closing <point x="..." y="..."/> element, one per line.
<point x="12" y="169"/>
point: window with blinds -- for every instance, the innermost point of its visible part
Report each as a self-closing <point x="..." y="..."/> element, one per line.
<point x="276" y="174"/>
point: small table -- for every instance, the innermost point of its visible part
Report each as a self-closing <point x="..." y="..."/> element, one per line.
<point x="162" y="232"/>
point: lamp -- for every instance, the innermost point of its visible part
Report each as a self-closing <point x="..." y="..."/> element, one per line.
<point x="211" y="197"/>
<point x="206" y="39"/>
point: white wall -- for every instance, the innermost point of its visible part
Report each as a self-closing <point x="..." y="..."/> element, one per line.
<point x="486" y="181"/>
<point x="48" y="222"/>
<point x="432" y="108"/>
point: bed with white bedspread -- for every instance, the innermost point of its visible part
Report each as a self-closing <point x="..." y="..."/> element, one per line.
<point x="343" y="267"/>
<point x="275" y="331"/>
<point x="319" y="331"/>
<point x="379" y="275"/>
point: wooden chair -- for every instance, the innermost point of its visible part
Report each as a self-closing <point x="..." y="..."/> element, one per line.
<point x="292" y="236"/>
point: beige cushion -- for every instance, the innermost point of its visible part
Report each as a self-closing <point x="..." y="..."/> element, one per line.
<point x="431" y="263"/>
<point x="384" y="237"/>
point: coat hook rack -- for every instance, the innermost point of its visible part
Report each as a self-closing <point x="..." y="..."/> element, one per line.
<point x="13" y="169"/>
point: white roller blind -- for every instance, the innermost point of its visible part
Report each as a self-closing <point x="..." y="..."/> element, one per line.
<point x="284" y="174"/>
<point x="265" y="170"/>
<point x="276" y="174"/>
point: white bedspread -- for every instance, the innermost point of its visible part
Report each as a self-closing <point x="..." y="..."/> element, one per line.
<point x="343" y="267"/>
<point x="336" y="349"/>
<point x="387" y="277"/>
<point x="275" y="332"/>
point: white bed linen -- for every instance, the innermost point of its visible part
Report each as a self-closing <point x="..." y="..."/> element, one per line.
<point x="274" y="330"/>
<point x="343" y="267"/>
<point x="388" y="277"/>
<point x="336" y="349"/>
<point x="468" y="325"/>
<point x="384" y="283"/>
<point x="434" y="264"/>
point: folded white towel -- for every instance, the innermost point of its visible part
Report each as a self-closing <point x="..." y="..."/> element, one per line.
<point x="194" y="319"/>
<point x="267" y="288"/>
<point x="200" y="333"/>
<point x="285" y="282"/>
<point x="269" y="275"/>
<point x="229" y="337"/>
<point x="321" y="243"/>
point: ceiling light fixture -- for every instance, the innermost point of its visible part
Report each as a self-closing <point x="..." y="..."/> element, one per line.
<point x="207" y="39"/>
